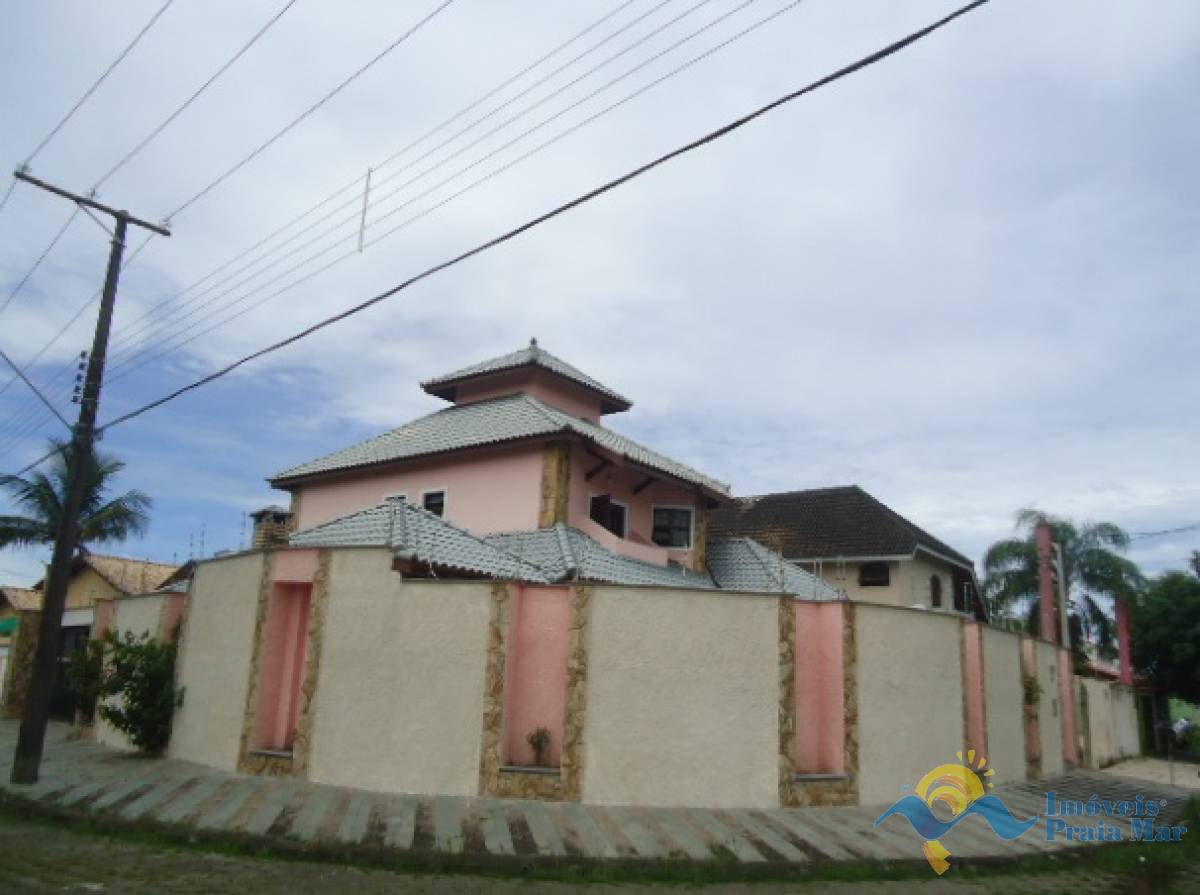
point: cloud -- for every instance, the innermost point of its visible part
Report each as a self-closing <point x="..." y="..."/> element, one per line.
<point x="959" y="279"/>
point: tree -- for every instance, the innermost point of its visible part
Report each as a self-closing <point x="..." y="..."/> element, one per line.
<point x="1092" y="566"/>
<point x="43" y="494"/>
<point x="1166" y="634"/>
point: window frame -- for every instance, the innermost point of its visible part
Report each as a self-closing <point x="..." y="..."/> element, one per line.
<point x="935" y="591"/>
<point x="624" y="535"/>
<point x="398" y="495"/>
<point x="887" y="567"/>
<point x="691" y="511"/>
<point x="445" y="492"/>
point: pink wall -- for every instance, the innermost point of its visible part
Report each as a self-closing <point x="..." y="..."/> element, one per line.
<point x="173" y="611"/>
<point x="284" y="653"/>
<point x="974" y="687"/>
<point x="618" y="482"/>
<point x="294" y="565"/>
<point x="538" y="384"/>
<point x="487" y="491"/>
<point x="536" y="670"/>
<point x="1066" y="698"/>
<point x="819" y="746"/>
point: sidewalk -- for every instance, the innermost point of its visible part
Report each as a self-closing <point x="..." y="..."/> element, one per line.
<point x="86" y="778"/>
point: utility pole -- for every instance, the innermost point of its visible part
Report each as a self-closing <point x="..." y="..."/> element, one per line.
<point x="28" y="756"/>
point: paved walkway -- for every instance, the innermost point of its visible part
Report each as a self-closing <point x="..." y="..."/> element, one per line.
<point x="84" y="777"/>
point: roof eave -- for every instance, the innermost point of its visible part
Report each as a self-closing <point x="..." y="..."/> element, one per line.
<point x="447" y="389"/>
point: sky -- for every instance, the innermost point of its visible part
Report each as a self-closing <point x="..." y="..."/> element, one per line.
<point x="959" y="279"/>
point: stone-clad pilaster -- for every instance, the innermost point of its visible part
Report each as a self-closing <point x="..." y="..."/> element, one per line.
<point x="15" y="687"/>
<point x="556" y="483"/>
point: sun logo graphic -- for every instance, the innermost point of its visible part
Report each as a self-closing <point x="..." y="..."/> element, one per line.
<point x="962" y="789"/>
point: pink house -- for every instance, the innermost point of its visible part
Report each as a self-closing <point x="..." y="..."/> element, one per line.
<point x="522" y="447"/>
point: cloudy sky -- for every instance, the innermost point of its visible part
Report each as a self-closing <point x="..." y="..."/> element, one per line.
<point x="962" y="279"/>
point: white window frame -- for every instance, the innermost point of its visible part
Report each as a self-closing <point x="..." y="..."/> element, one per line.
<point x="624" y="535"/>
<point x="445" y="492"/>
<point x="691" y="525"/>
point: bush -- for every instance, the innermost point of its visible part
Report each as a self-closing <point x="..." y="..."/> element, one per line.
<point x="141" y="672"/>
<point x="85" y="674"/>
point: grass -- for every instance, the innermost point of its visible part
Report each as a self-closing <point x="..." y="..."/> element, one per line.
<point x="1145" y="866"/>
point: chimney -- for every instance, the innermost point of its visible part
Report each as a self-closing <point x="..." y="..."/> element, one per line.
<point x="272" y="525"/>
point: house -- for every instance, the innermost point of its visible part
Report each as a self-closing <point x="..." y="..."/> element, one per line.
<point x="858" y="544"/>
<point x="96" y="579"/>
<point x="511" y="569"/>
<point x="13" y="601"/>
<point x="522" y="447"/>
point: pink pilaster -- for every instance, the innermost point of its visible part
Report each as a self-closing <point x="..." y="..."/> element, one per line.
<point x="1048" y="615"/>
<point x="819" y="746"/>
<point x="1066" y="699"/>
<point x="536" y="671"/>
<point x="974" y="702"/>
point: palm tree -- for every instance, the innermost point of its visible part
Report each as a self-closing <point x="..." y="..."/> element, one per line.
<point x="43" y="494"/>
<point x="1093" y="570"/>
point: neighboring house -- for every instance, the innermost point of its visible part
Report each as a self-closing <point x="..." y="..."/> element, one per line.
<point x="95" y="577"/>
<point x="522" y="448"/>
<point x="854" y="542"/>
<point x="13" y="600"/>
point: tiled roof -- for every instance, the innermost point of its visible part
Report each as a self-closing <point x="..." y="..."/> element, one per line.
<point x="499" y="420"/>
<point x="745" y="564"/>
<point x="530" y="356"/>
<point x="130" y="576"/>
<point x="826" y="523"/>
<point x="565" y="553"/>
<point x="415" y="533"/>
<point x="22" y="597"/>
<point x="558" y="553"/>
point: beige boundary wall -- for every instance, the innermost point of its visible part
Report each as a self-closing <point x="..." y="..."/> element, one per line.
<point x="1049" y="708"/>
<point x="1004" y="695"/>
<point x="1110" y="712"/>
<point x="139" y="615"/>
<point x="216" y="649"/>
<point x="910" y="697"/>
<point x="682" y="698"/>
<point x="675" y="695"/>
<point x="400" y="695"/>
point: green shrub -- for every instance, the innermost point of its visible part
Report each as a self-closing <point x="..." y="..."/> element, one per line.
<point x="140" y="671"/>
<point x="85" y="674"/>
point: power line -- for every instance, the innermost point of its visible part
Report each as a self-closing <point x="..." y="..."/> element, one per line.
<point x="129" y="363"/>
<point x="1166" y="531"/>
<point x="42" y="257"/>
<point x="582" y="199"/>
<point x="311" y="109"/>
<point x="100" y="80"/>
<point x="125" y="339"/>
<point x="37" y="391"/>
<point x="130" y="337"/>
<point x="191" y="99"/>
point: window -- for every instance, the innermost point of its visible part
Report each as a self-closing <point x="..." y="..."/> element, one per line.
<point x="399" y="495"/>
<point x="609" y="514"/>
<point x="673" y="527"/>
<point x="435" y="502"/>
<point x="874" y="574"/>
<point x="935" y="591"/>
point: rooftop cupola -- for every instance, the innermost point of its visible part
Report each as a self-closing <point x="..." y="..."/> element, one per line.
<point x="534" y="371"/>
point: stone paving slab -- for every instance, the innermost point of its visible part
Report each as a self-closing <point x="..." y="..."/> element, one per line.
<point x="84" y="777"/>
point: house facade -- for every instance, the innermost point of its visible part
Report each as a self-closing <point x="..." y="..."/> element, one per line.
<point x="522" y="447"/>
<point x="859" y="545"/>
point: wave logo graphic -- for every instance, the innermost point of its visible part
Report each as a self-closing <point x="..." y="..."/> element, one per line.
<point x="961" y="789"/>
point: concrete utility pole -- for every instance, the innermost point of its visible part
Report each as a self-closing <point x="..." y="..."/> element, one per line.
<point x="28" y="756"/>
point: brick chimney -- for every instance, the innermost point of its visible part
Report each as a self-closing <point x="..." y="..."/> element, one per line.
<point x="272" y="525"/>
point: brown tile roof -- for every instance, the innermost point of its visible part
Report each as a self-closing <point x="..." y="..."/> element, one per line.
<point x="826" y="523"/>
<point x="22" y="597"/>
<point x="130" y="576"/>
